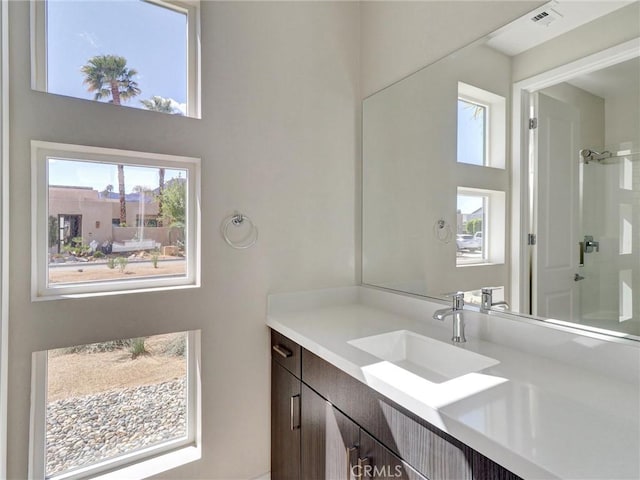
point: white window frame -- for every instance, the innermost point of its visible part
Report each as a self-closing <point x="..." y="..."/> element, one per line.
<point x="495" y="123"/>
<point x="40" y="153"/>
<point x="4" y="231"/>
<point x="191" y="8"/>
<point x="153" y="459"/>
<point x="493" y="227"/>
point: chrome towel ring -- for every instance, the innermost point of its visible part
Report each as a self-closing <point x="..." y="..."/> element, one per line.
<point x="442" y="231"/>
<point x="237" y="220"/>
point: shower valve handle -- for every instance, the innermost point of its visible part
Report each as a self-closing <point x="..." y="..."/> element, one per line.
<point x="590" y="245"/>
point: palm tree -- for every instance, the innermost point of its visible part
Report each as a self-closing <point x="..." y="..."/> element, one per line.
<point x="160" y="193"/>
<point x="123" y="201"/>
<point x="159" y="104"/>
<point x="108" y="76"/>
<point x="107" y="190"/>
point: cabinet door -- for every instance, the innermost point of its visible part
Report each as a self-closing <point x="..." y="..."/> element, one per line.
<point x="377" y="461"/>
<point x="434" y="454"/>
<point x="285" y="424"/>
<point x="329" y="440"/>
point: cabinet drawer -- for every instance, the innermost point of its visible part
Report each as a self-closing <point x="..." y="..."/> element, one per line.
<point x="286" y="352"/>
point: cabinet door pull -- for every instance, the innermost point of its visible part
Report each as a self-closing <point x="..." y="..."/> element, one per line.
<point x="282" y="351"/>
<point x="363" y="471"/>
<point x="295" y="411"/>
<point x="352" y="455"/>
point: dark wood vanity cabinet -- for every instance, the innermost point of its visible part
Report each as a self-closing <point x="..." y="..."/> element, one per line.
<point x="346" y="431"/>
<point x="330" y="440"/>
<point x="334" y="446"/>
<point x="285" y="426"/>
<point x="381" y="463"/>
<point x="285" y="408"/>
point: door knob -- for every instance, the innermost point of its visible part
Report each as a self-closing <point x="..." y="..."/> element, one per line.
<point x="577" y="277"/>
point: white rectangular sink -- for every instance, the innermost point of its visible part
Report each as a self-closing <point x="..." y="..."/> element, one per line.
<point x="431" y="359"/>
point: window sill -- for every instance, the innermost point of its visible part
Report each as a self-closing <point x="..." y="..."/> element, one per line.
<point x="154" y="466"/>
<point x="483" y="264"/>
<point x="51" y="296"/>
<point x="140" y="469"/>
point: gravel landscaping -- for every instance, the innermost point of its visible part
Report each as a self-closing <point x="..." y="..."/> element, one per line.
<point x="84" y="429"/>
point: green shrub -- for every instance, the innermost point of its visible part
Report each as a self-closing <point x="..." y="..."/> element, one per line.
<point x="121" y="263"/>
<point x="137" y="347"/>
<point x="111" y="263"/>
<point x="154" y="260"/>
<point x="98" y="254"/>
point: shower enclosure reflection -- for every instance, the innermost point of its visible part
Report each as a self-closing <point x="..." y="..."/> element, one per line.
<point x="585" y="199"/>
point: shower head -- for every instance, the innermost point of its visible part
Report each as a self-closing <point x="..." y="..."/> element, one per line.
<point x="586" y="153"/>
<point x="589" y="155"/>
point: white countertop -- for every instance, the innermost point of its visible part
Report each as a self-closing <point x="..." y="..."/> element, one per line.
<point x="558" y="405"/>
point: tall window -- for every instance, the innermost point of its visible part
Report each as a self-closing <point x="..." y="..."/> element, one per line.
<point x="112" y="220"/>
<point x="106" y="405"/>
<point x="138" y="53"/>
<point x="481" y="153"/>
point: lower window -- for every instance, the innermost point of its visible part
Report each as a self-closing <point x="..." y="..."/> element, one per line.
<point x="480" y="229"/>
<point x="106" y="405"/>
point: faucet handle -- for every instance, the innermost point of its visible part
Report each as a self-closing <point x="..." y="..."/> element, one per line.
<point x="458" y="299"/>
<point x="490" y="289"/>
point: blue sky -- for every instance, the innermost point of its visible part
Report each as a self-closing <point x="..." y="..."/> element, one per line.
<point x="98" y="175"/>
<point x="151" y="38"/>
<point x="470" y="135"/>
<point x="468" y="203"/>
<point x="471" y="148"/>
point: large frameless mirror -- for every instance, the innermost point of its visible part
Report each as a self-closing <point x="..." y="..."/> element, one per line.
<point x="511" y="164"/>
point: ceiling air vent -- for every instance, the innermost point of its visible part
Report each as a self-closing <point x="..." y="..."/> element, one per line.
<point x="545" y="17"/>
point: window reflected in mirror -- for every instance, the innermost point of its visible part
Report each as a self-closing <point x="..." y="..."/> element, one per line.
<point x="472" y="127"/>
<point x="471" y="223"/>
<point x="481" y="127"/>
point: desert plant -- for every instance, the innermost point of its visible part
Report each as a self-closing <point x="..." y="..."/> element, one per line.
<point x="154" y="259"/>
<point x="176" y="347"/>
<point x="121" y="263"/>
<point x="76" y="247"/>
<point x="111" y="263"/>
<point x="98" y="254"/>
<point x="137" y="347"/>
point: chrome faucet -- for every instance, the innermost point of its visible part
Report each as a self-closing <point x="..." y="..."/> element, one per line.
<point x="455" y="311"/>
<point x="487" y="299"/>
